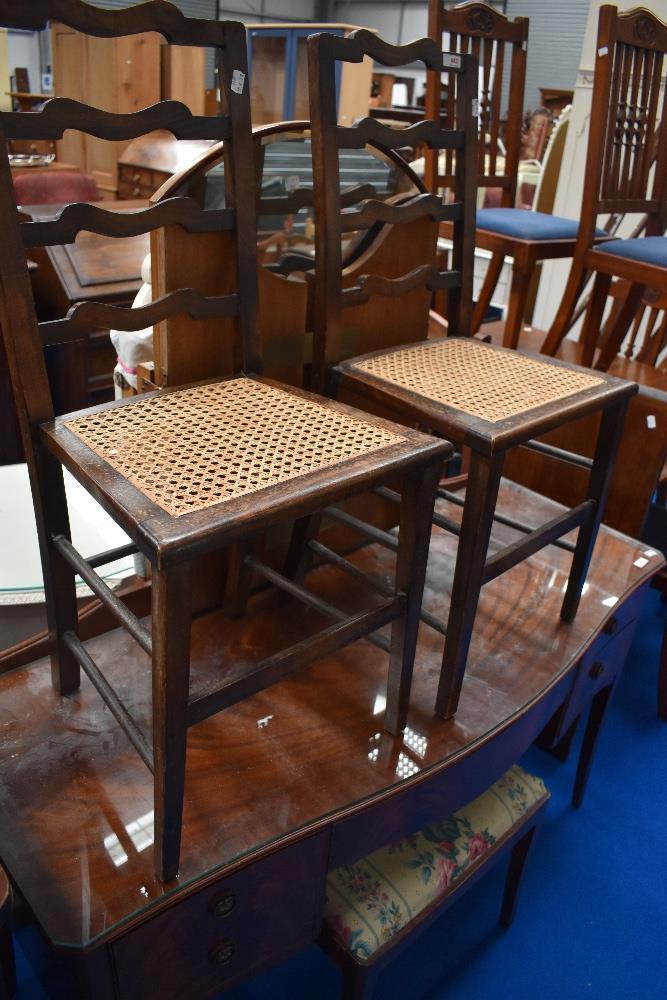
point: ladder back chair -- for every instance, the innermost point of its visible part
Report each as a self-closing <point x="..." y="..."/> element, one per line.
<point x="194" y="470"/>
<point x="473" y="394"/>
<point x="526" y="236"/>
<point x="626" y="172"/>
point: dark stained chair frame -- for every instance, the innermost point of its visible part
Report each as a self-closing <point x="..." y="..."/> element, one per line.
<point x="626" y="146"/>
<point x="488" y="441"/>
<point x="360" y="977"/>
<point x="172" y="544"/>
<point x="478" y="28"/>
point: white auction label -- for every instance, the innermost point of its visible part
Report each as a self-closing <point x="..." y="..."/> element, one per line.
<point x="238" y="81"/>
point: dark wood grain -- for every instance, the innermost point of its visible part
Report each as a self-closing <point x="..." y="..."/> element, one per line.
<point x="307" y="766"/>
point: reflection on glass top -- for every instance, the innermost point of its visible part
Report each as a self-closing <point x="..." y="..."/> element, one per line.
<point x="286" y="205"/>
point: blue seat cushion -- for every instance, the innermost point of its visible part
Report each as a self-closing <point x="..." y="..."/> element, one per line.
<point x="525" y="225"/>
<point x="647" y="249"/>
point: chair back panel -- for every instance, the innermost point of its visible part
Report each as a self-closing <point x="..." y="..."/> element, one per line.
<point x="24" y="337"/>
<point x="498" y="43"/>
<point x="628" y="91"/>
<point x="331" y="298"/>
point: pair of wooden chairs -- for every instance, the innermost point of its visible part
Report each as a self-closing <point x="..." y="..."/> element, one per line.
<point x="201" y="469"/>
<point x="208" y="468"/>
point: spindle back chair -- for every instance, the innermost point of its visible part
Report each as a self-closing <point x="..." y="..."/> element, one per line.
<point x="626" y="172"/>
<point x="194" y="470"/>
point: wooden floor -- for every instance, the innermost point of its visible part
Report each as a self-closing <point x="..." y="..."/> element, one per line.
<point x="76" y="813"/>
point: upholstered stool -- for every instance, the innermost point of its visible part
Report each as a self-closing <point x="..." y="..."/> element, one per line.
<point x="7" y="967"/>
<point x="490" y="399"/>
<point x="376" y="906"/>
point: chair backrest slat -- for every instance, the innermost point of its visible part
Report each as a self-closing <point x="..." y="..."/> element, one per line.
<point x="24" y="337"/>
<point x="331" y="298"/>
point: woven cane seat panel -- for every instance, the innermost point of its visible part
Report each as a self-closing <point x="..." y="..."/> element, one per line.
<point x="194" y="448"/>
<point x="477" y="379"/>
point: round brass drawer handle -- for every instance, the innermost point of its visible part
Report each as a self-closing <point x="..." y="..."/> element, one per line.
<point x="222" y="904"/>
<point x="222" y="953"/>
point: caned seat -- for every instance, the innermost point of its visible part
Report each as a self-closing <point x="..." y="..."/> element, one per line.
<point x="476" y="395"/>
<point x="376" y="907"/>
<point x="207" y="467"/>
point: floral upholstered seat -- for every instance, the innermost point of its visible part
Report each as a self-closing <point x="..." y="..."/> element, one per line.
<point x="371" y="901"/>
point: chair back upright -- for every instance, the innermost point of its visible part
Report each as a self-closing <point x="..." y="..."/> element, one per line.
<point x="497" y="42"/>
<point x="331" y="299"/>
<point x="24" y="337"/>
<point x="626" y="160"/>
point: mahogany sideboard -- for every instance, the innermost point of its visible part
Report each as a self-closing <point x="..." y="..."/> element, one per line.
<point x="294" y="780"/>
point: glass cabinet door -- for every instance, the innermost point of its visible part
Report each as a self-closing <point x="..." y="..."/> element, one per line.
<point x="269" y="69"/>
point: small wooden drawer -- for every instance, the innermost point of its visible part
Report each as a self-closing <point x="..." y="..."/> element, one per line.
<point x="228" y="931"/>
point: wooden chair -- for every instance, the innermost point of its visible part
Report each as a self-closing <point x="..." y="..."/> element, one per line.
<point x="471" y="393"/>
<point x="626" y="172"/>
<point x="187" y="472"/>
<point x="376" y="907"/>
<point x="526" y="236"/>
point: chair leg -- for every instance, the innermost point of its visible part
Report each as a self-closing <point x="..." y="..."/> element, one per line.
<point x="417" y="502"/>
<point x="299" y="556"/>
<point x="596" y="716"/>
<point x="359" y="981"/>
<point x="609" y="435"/>
<point x="516" y="307"/>
<point x="568" y="304"/>
<point x="171" y="618"/>
<point x="590" y="333"/>
<point x="480" y="504"/>
<point x="621" y="325"/>
<point x="487" y="290"/>
<point x="515" y="870"/>
<point x="59" y="578"/>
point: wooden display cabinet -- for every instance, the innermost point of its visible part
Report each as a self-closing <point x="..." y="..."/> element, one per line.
<point x="278" y="69"/>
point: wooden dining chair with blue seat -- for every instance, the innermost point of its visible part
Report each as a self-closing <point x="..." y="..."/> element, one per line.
<point x="473" y="394"/>
<point x="626" y="172"/>
<point x="506" y="231"/>
<point x="194" y="470"/>
<point x="376" y="907"/>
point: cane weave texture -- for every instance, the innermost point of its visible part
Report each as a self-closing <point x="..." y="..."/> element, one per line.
<point x="477" y="379"/>
<point x="190" y="449"/>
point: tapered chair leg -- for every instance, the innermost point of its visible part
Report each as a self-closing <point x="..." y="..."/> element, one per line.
<point x="611" y="425"/>
<point x="515" y="870"/>
<point x="518" y="299"/>
<point x="171" y="620"/>
<point x="359" y="981"/>
<point x="59" y="578"/>
<point x="487" y="290"/>
<point x="596" y="716"/>
<point x="616" y="334"/>
<point x="418" y="497"/>
<point x="480" y="504"/>
<point x="590" y="332"/>
<point x="561" y="324"/>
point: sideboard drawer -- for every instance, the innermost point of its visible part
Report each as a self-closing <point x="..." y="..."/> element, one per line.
<point x="228" y="931"/>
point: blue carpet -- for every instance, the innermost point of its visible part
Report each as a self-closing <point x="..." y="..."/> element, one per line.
<point x="593" y="910"/>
